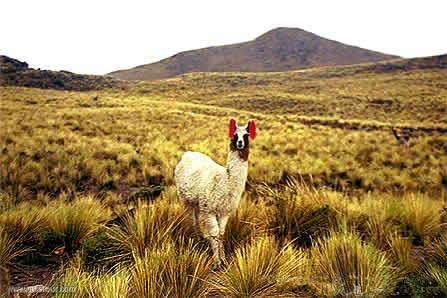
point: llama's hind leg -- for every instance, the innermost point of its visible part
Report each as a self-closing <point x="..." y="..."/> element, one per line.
<point x="196" y="220"/>
<point x="193" y="211"/>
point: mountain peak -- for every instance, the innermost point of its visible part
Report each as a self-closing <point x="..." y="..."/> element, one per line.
<point x="280" y="49"/>
<point x="281" y="30"/>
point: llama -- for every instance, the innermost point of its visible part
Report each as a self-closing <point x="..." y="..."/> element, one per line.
<point x="212" y="192"/>
<point x="402" y="138"/>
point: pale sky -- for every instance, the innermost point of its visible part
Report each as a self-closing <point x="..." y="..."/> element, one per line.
<point x="98" y="37"/>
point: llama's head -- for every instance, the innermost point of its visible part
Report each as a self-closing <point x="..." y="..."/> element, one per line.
<point x="240" y="135"/>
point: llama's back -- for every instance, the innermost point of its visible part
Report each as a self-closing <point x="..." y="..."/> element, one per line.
<point x="192" y="175"/>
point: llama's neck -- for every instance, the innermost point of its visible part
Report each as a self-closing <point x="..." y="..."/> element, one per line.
<point x="237" y="170"/>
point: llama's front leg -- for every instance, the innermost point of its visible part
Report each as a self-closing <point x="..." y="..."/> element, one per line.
<point x="222" y="221"/>
<point x="195" y="216"/>
<point x="212" y="234"/>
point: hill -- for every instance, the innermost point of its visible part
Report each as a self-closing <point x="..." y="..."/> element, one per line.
<point x="17" y="73"/>
<point x="281" y="49"/>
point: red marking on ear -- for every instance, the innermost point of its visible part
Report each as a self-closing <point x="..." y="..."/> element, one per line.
<point x="252" y="129"/>
<point x="232" y="128"/>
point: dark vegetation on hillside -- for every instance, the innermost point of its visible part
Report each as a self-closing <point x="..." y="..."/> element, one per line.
<point x="16" y="73"/>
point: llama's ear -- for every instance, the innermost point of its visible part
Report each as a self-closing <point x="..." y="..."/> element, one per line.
<point x="232" y="128"/>
<point x="252" y="129"/>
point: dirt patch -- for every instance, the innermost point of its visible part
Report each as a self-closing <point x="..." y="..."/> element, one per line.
<point x="25" y="276"/>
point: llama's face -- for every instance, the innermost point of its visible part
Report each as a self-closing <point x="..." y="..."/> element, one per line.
<point x="240" y="134"/>
<point x="240" y="139"/>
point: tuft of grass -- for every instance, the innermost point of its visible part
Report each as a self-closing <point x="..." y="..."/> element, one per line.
<point x="421" y="216"/>
<point x="170" y="271"/>
<point x="249" y="220"/>
<point x="74" y="222"/>
<point x="413" y="215"/>
<point x="400" y="249"/>
<point x="350" y="267"/>
<point x="96" y="250"/>
<point x="26" y="221"/>
<point x="379" y="228"/>
<point x="261" y="269"/>
<point x="6" y="201"/>
<point x="439" y="275"/>
<point x="439" y="250"/>
<point x="75" y="281"/>
<point x="149" y="226"/>
<point x="300" y="214"/>
<point x="114" y="284"/>
<point x="10" y="248"/>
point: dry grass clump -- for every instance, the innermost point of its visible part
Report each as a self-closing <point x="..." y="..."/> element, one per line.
<point x="71" y="223"/>
<point x="421" y="215"/>
<point x="25" y="221"/>
<point x="380" y="213"/>
<point x="350" y="267"/>
<point x="11" y="189"/>
<point x="439" y="275"/>
<point x="400" y="249"/>
<point x="113" y="284"/>
<point x="10" y="248"/>
<point x="171" y="271"/>
<point x="249" y="221"/>
<point x="165" y="271"/>
<point x="377" y="216"/>
<point x="73" y="280"/>
<point x="261" y="269"/>
<point x="439" y="250"/>
<point x="435" y="267"/>
<point x="149" y="226"/>
<point x="301" y="214"/>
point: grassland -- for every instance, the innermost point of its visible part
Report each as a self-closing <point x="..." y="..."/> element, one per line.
<point x="333" y="206"/>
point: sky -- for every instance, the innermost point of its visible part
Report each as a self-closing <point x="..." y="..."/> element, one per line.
<point x="97" y="37"/>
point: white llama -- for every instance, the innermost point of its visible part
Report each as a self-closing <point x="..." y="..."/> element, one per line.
<point x="211" y="191"/>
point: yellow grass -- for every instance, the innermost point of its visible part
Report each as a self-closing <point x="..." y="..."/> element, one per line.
<point x="324" y="158"/>
<point x="261" y="269"/>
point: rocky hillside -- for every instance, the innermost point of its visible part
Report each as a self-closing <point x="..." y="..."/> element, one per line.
<point x="16" y="73"/>
<point x="281" y="49"/>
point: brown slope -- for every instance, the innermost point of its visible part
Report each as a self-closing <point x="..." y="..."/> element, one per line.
<point x="280" y="49"/>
